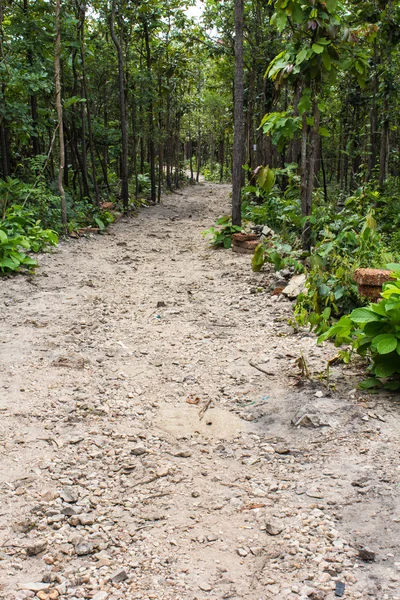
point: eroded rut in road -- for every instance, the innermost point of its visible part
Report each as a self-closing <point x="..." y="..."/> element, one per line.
<point x="116" y="482"/>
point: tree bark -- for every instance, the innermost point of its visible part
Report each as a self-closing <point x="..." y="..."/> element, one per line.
<point x="57" y="71"/>
<point x="122" y="108"/>
<point x="238" y="143"/>
<point x="87" y="108"/>
<point x="4" y="143"/>
<point x="151" y="117"/>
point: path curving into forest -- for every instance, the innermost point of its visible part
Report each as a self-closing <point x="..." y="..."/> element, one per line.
<point x="142" y="455"/>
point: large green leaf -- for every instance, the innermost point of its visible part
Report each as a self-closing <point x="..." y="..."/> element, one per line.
<point x="258" y="258"/>
<point x="375" y="328"/>
<point x="317" y="48"/>
<point x="387" y="345"/>
<point x="387" y="365"/>
<point x="364" y="315"/>
<point x="266" y="178"/>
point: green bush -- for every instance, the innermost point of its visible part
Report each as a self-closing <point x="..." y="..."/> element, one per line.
<point x="348" y="243"/>
<point x="374" y="332"/>
<point x="20" y="233"/>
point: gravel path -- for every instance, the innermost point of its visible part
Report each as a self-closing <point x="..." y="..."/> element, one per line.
<point x="148" y="386"/>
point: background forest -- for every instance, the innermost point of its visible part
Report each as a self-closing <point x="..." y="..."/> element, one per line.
<point x="110" y="103"/>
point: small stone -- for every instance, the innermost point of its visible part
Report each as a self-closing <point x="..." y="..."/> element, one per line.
<point x="83" y="548"/>
<point x="182" y="453"/>
<point x="118" y="576"/>
<point x="35" y="587"/>
<point x="68" y="511"/>
<point x="205" y="587"/>
<point x="36" y="547"/>
<point x="139" y="450"/>
<point x="55" y="519"/>
<point x="295" y="286"/>
<point x="195" y="494"/>
<point x="84" y="520"/>
<point x="274" y="526"/>
<point x="366" y="554"/>
<point x="68" y="494"/>
<point x="100" y="596"/>
<point x="242" y="552"/>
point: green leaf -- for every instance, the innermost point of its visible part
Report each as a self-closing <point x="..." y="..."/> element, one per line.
<point x="266" y="179"/>
<point x="395" y="267"/>
<point x="387" y="345"/>
<point x="7" y="263"/>
<point x="331" y="5"/>
<point x="317" y="48"/>
<point x="374" y="328"/>
<point x="258" y="259"/>
<point x="392" y="386"/>
<point x="301" y="56"/>
<point x="304" y="104"/>
<point x="369" y="384"/>
<point x="228" y="242"/>
<point x="385" y="366"/>
<point x="363" y="315"/>
<point x="323" y="131"/>
<point x="100" y="223"/>
<point x="326" y="61"/>
<point x="3" y="237"/>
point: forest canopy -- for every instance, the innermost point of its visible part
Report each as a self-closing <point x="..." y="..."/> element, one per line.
<point x="117" y="101"/>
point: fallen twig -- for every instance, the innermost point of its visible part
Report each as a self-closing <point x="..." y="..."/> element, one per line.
<point x="203" y="410"/>
<point x="252" y="364"/>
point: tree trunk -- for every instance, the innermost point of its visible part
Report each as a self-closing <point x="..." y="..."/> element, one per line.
<point x="86" y="106"/>
<point x="309" y="154"/>
<point x="122" y="108"/>
<point x="57" y="72"/>
<point x="238" y="143"/>
<point x="151" y="117"/>
<point x="384" y="153"/>
<point x="4" y="143"/>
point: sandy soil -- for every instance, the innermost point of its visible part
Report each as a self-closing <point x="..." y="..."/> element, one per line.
<point x="114" y="483"/>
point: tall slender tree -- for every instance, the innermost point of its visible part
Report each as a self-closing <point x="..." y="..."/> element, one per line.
<point x="238" y="143"/>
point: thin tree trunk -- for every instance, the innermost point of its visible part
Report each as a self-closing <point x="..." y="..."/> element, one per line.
<point x="122" y="108"/>
<point x="309" y="159"/>
<point x="57" y="71"/>
<point x="151" y="118"/>
<point x="238" y="143"/>
<point x="4" y="143"/>
<point x="88" y="112"/>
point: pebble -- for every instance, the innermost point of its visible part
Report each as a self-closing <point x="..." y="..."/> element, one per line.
<point x="36" y="547"/>
<point x="68" y="494"/>
<point x="274" y="526"/>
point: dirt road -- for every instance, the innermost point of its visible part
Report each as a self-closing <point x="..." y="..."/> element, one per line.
<point x="144" y="455"/>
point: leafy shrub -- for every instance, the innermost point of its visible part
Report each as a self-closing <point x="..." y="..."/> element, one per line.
<point x="20" y="233"/>
<point x="374" y="332"/>
<point x="349" y="243"/>
<point x="221" y="234"/>
<point x="276" y="252"/>
<point x="12" y="255"/>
